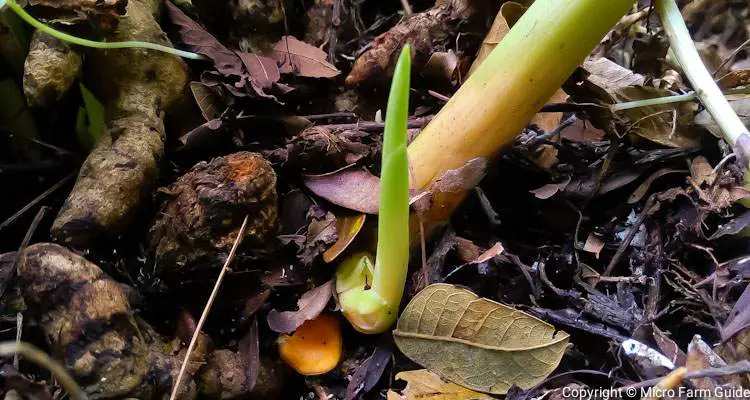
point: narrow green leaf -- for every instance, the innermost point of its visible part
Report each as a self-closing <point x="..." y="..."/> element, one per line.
<point x="392" y="256"/>
<point x="90" y="119"/>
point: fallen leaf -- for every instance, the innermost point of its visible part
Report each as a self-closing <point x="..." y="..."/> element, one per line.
<point x="736" y="78"/>
<point x="701" y="172"/>
<point x="422" y="384"/>
<point x="582" y="131"/>
<point x="739" y="317"/>
<point x="264" y="70"/>
<point x="353" y="188"/>
<point x="668" y="347"/>
<point x="736" y="225"/>
<point x="642" y="189"/>
<point x="237" y="71"/>
<point x="594" y="245"/>
<point x="509" y="13"/>
<point x="550" y="189"/>
<point x="347" y="228"/>
<point x="368" y="374"/>
<point x="207" y="100"/>
<point x="476" y="342"/>
<point x="321" y="233"/>
<point x="185" y="327"/>
<point x="610" y="76"/>
<point x="648" y="361"/>
<point x="489" y="254"/>
<point x="310" y="305"/>
<point x="300" y="58"/>
<point x="463" y="178"/>
<point x="249" y="352"/>
<point x="700" y="356"/>
<point x="441" y="67"/>
<point x="657" y="123"/>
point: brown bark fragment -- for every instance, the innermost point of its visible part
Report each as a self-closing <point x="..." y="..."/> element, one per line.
<point x="198" y="225"/>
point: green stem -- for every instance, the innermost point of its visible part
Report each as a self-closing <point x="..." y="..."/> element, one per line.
<point x="91" y="43"/>
<point x="669" y="99"/>
<point x="702" y="81"/>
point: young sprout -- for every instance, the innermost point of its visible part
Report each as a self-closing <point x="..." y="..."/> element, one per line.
<point x="65" y="37"/>
<point x="370" y="296"/>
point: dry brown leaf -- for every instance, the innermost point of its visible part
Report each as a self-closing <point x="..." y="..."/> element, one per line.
<point x="610" y="76"/>
<point x="441" y="67"/>
<point x="656" y="123"/>
<point x="208" y="101"/>
<point x="582" y="131"/>
<point x="476" y="342"/>
<point x="642" y="189"/>
<point x="347" y="228"/>
<point x="550" y="189"/>
<point x="310" y="305"/>
<point x="733" y="79"/>
<point x="509" y="13"/>
<point x="422" y="384"/>
<point x="594" y="245"/>
<point x="297" y="57"/>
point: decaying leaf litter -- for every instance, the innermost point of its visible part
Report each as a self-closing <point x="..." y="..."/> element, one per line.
<point x="603" y="248"/>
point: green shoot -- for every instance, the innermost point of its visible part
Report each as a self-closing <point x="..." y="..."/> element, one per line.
<point x="92" y="43"/>
<point x="370" y="297"/>
<point x="90" y="119"/>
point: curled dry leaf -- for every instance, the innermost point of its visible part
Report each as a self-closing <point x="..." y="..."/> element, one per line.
<point x="353" y="188"/>
<point x="369" y="372"/>
<point x="310" y="305"/>
<point x="297" y="57"/>
<point x="642" y="189"/>
<point x="594" y="245"/>
<point x="476" y="342"/>
<point x="610" y="76"/>
<point x="347" y="228"/>
<point x="209" y="102"/>
<point x="733" y="79"/>
<point x="422" y="384"/>
<point x="550" y="189"/>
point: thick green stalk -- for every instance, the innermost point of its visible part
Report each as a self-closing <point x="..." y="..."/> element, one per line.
<point x="706" y="89"/>
<point x="92" y="43"/>
<point x="374" y="309"/>
<point x="510" y="86"/>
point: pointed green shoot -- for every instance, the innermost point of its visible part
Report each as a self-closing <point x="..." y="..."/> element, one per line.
<point x="370" y="298"/>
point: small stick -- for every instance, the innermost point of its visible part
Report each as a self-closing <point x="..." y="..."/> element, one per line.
<point x="629" y="237"/>
<point x="741" y="367"/>
<point x="34" y="202"/>
<point x="407" y="8"/>
<point x="671" y="381"/>
<point x="40" y="358"/>
<point x="206" y="309"/>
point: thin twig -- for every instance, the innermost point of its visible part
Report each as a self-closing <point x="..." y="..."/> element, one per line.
<point x="207" y="308"/>
<point x="34" y="202"/>
<point x="741" y="367"/>
<point x="407" y="8"/>
<point x="731" y="56"/>
<point x="40" y="358"/>
<point x="631" y="234"/>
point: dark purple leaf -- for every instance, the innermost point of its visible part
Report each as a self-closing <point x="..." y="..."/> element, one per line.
<point x="263" y="70"/>
<point x="732" y="227"/>
<point x="300" y="58"/>
<point x="310" y="305"/>
<point x="200" y="41"/>
<point x="368" y="374"/>
<point x="185" y="327"/>
<point x="353" y="188"/>
<point x="249" y="351"/>
<point x="739" y="317"/>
